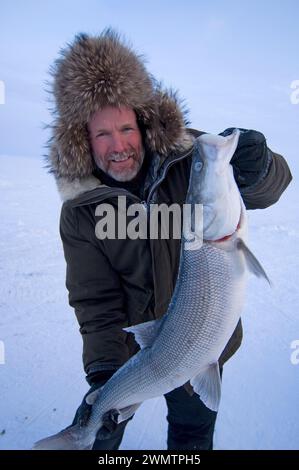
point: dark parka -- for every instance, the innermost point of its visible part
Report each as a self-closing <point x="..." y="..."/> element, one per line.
<point x="116" y="283"/>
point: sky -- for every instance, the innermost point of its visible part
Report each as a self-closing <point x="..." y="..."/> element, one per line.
<point x="233" y="63"/>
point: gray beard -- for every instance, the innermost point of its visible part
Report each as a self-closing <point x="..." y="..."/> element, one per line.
<point x="126" y="176"/>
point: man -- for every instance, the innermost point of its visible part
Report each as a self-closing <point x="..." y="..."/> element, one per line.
<point x="116" y="132"/>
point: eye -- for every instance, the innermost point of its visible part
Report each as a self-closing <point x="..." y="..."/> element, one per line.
<point x="127" y="129"/>
<point x="101" y="134"/>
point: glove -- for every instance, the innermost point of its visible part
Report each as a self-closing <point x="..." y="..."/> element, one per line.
<point x="83" y="412"/>
<point x="252" y="158"/>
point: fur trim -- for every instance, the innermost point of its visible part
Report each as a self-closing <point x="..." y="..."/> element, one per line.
<point x="94" y="72"/>
<point x="72" y="189"/>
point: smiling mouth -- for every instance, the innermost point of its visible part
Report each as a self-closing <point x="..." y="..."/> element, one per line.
<point x="121" y="159"/>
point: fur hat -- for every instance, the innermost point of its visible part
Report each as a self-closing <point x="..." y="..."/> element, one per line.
<point x="94" y="72"/>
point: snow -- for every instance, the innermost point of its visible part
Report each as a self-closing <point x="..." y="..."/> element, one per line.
<point x="42" y="380"/>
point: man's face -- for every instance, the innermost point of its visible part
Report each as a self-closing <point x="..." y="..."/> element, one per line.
<point x="116" y="142"/>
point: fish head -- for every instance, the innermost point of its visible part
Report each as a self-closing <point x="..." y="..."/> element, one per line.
<point x="213" y="186"/>
<point x="213" y="152"/>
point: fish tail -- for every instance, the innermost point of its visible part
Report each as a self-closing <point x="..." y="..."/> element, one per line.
<point x="72" y="438"/>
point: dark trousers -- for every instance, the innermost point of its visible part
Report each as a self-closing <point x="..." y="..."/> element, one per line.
<point x="190" y="424"/>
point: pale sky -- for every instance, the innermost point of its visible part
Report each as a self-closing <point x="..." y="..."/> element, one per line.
<point x="233" y="62"/>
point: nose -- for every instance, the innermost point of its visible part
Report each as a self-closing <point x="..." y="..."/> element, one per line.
<point x="118" y="143"/>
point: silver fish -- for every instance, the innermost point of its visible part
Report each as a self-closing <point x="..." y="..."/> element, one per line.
<point x="186" y="343"/>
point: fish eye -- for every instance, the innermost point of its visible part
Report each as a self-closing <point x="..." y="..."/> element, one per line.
<point x="197" y="166"/>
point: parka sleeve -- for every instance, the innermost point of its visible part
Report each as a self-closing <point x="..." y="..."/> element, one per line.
<point x="261" y="175"/>
<point x="268" y="190"/>
<point x="96" y="294"/>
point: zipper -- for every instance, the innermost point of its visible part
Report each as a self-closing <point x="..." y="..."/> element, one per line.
<point x="159" y="180"/>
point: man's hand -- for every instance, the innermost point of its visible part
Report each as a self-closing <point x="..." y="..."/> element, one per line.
<point x="252" y="157"/>
<point x="83" y="412"/>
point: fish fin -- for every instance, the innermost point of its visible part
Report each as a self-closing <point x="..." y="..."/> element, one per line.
<point x="93" y="396"/>
<point x="112" y="418"/>
<point x="207" y="384"/>
<point x="118" y="416"/>
<point x="145" y="333"/>
<point x="127" y="412"/>
<point x="253" y="265"/>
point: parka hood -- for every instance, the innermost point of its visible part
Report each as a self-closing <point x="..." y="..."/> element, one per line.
<point x="91" y="73"/>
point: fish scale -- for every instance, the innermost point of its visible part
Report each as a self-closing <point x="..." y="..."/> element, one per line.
<point x="198" y="325"/>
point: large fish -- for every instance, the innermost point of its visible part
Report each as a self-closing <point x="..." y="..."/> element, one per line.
<point x="186" y="343"/>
